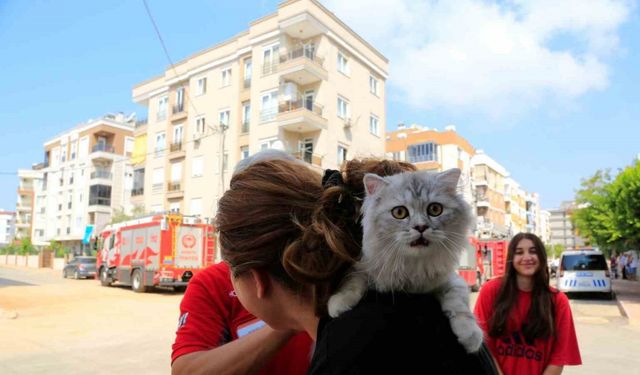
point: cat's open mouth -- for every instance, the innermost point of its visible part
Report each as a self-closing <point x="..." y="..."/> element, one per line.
<point x="421" y="241"/>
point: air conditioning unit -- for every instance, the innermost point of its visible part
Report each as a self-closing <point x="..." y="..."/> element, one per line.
<point x="347" y="122"/>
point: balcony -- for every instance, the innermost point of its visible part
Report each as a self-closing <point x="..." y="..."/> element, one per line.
<point x="245" y="126"/>
<point x="141" y="122"/>
<point x="246" y="83"/>
<point x="23" y="207"/>
<point x="102" y="174"/>
<point x="308" y="157"/>
<point x="178" y="112"/>
<point x="176" y="151"/>
<point x="301" y="117"/>
<point x="174" y="190"/>
<point x="483" y="201"/>
<point x="302" y="66"/>
<point x="480" y="182"/>
<point x="99" y="204"/>
<point x="102" y="151"/>
<point x="137" y="192"/>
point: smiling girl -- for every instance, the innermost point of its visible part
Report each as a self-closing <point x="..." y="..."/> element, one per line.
<point x="528" y="325"/>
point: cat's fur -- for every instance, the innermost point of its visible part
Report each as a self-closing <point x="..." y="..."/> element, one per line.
<point x="389" y="261"/>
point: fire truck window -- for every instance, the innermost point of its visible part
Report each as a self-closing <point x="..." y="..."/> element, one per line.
<point x="111" y="238"/>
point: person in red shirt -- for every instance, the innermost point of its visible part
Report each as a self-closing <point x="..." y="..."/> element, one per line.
<point x="528" y="325"/>
<point x="216" y="335"/>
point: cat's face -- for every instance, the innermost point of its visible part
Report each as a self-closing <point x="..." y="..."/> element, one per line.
<point x="415" y="215"/>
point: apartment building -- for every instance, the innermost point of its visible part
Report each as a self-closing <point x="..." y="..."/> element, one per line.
<point x="138" y="160"/>
<point x="87" y="176"/>
<point x="430" y="149"/>
<point x="488" y="182"/>
<point x="561" y="228"/>
<point x="515" y="207"/>
<point x="299" y="80"/>
<point x="7" y="227"/>
<point x="545" y="230"/>
<point x="28" y="179"/>
<point x="533" y="224"/>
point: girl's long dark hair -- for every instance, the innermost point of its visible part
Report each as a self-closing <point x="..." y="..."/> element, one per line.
<point x="539" y="322"/>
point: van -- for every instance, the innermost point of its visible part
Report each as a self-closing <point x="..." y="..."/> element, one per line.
<point x="583" y="271"/>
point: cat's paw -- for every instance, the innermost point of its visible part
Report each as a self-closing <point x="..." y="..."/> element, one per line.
<point x="469" y="334"/>
<point x="339" y="303"/>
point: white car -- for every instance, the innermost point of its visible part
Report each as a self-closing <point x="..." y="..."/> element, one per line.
<point x="584" y="271"/>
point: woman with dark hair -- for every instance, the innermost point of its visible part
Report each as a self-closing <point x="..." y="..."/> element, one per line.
<point x="528" y="325"/>
<point x="289" y="236"/>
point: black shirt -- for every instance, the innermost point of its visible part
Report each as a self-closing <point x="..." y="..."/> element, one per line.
<point x="394" y="334"/>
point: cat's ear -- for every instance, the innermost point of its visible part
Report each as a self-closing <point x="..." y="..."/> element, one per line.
<point x="373" y="183"/>
<point x="449" y="179"/>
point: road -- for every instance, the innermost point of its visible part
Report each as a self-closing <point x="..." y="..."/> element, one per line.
<point x="78" y="327"/>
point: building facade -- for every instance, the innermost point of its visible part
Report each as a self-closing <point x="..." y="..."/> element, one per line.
<point x="299" y="80"/>
<point x="545" y="229"/>
<point x="87" y="176"/>
<point x="7" y="227"/>
<point x="562" y="231"/>
<point x="28" y="180"/>
<point x="488" y="181"/>
<point x="430" y="149"/>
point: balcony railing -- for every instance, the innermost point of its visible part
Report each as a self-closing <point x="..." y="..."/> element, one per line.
<point x="142" y="122"/>
<point x="269" y="67"/>
<point x="178" y="108"/>
<point x="98" y="201"/>
<point x="292" y="105"/>
<point x="177" y="146"/>
<point x="301" y="53"/>
<point x="137" y="191"/>
<point x="102" y="147"/>
<point x="173" y="186"/>
<point x="101" y="174"/>
<point x="268" y="114"/>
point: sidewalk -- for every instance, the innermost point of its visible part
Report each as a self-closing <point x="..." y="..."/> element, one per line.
<point x="628" y="297"/>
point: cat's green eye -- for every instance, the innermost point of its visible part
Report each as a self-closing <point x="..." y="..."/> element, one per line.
<point x="434" y="209"/>
<point x="400" y="212"/>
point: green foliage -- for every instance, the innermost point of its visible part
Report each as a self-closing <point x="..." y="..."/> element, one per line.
<point x="119" y="216"/>
<point x="609" y="213"/>
<point x="26" y="248"/>
<point x="58" y="249"/>
<point x="9" y="249"/>
<point x="554" y="251"/>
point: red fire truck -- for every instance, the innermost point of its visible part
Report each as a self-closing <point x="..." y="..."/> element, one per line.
<point x="159" y="250"/>
<point x="483" y="260"/>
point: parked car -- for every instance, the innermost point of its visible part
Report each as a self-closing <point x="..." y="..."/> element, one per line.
<point x="80" y="267"/>
<point x="584" y="271"/>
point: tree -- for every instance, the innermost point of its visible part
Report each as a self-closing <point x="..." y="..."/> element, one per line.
<point x="26" y="248"/>
<point x="554" y="251"/>
<point x="624" y="195"/>
<point x="58" y="249"/>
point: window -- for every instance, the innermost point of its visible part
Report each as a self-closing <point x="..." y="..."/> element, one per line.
<point x="373" y="85"/>
<point x="162" y="108"/>
<point x="270" y="59"/>
<point x="157" y="179"/>
<point x="343" y="64"/>
<point x="197" y="166"/>
<point x="177" y="134"/>
<point x="176" y="172"/>
<point x="74" y="145"/>
<point x="63" y="158"/>
<point x="269" y="106"/>
<point x="196" y="206"/>
<point x="224" y="118"/>
<point x="422" y="152"/>
<point x="306" y="150"/>
<point x="373" y="124"/>
<point x="138" y="182"/>
<point x="225" y="77"/>
<point x="267" y="143"/>
<point x="100" y="195"/>
<point x="244" y="152"/>
<point x="247" y="73"/>
<point x="396" y="156"/>
<point x="343" y="108"/>
<point x="71" y="179"/>
<point x="160" y="143"/>
<point x="200" y="125"/>
<point x="174" y="206"/>
<point x="201" y="86"/>
<point x="129" y="144"/>
<point x="342" y="155"/>
<point x="246" y="116"/>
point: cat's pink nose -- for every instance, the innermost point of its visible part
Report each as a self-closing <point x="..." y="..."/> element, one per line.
<point x="421" y="228"/>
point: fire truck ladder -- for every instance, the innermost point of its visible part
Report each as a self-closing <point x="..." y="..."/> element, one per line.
<point x="174" y="225"/>
<point x="210" y="249"/>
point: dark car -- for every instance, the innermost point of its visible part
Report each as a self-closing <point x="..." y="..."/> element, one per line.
<point x="80" y="267"/>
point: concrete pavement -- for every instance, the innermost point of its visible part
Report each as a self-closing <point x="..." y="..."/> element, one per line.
<point x="628" y="297"/>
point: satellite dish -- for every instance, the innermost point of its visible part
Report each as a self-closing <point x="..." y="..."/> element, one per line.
<point x="278" y="145"/>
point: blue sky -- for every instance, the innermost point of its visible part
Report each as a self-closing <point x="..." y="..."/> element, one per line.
<point x="551" y="109"/>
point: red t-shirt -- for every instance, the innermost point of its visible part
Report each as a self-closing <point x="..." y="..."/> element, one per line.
<point x="514" y="354"/>
<point x="211" y="315"/>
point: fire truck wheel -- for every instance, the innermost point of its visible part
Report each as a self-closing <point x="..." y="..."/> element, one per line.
<point x="104" y="277"/>
<point x="137" y="283"/>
